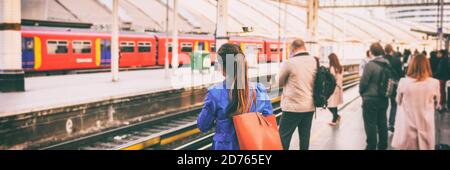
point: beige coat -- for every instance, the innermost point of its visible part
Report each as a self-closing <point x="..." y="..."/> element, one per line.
<point x="297" y="79"/>
<point x="337" y="97"/>
<point x="414" y="123"/>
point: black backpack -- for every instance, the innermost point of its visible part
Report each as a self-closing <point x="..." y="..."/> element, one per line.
<point x="324" y="86"/>
<point x="387" y="86"/>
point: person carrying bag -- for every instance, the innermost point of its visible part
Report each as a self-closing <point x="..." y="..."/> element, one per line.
<point x="241" y="112"/>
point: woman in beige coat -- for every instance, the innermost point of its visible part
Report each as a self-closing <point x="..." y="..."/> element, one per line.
<point x="417" y="95"/>
<point x="337" y="97"/>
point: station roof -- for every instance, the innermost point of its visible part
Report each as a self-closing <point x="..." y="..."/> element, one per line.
<point x="263" y="15"/>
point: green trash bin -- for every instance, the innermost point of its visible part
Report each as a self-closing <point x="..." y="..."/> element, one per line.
<point x="200" y="61"/>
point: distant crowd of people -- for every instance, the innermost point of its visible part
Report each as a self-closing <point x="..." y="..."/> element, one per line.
<point x="410" y="83"/>
<point x="418" y="84"/>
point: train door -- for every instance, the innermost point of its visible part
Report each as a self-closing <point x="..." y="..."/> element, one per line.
<point x="202" y="46"/>
<point x="251" y="53"/>
<point x="105" y="52"/>
<point x="27" y="53"/>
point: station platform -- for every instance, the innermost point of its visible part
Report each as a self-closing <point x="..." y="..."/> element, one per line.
<point x="350" y="134"/>
<point x="56" y="108"/>
<point x="64" y="90"/>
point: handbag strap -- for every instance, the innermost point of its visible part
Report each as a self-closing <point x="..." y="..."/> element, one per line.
<point x="249" y="106"/>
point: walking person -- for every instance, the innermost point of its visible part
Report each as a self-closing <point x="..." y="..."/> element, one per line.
<point x="374" y="103"/>
<point x="443" y="73"/>
<point x="399" y="57"/>
<point x="405" y="60"/>
<point x="363" y="63"/>
<point x="232" y="96"/>
<point x="435" y="59"/>
<point x="417" y="97"/>
<point x="337" y="97"/>
<point x="297" y="101"/>
<point x="396" y="65"/>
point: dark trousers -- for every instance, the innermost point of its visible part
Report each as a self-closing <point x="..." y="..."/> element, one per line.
<point x="375" y="122"/>
<point x="334" y="111"/>
<point x="290" y="121"/>
<point x="392" y="112"/>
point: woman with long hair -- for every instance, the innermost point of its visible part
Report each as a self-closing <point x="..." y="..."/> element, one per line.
<point x="417" y="97"/>
<point x="337" y="97"/>
<point x="235" y="95"/>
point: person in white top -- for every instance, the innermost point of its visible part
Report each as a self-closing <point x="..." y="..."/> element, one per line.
<point x="417" y="97"/>
<point x="363" y="63"/>
<point x="337" y="97"/>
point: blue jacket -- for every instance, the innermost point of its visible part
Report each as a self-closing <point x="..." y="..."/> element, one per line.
<point x="214" y="114"/>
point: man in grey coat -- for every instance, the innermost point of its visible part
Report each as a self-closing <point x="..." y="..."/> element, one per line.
<point x="374" y="104"/>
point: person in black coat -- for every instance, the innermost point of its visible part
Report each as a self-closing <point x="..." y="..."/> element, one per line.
<point x="435" y="58"/>
<point x="443" y="73"/>
<point x="396" y="65"/>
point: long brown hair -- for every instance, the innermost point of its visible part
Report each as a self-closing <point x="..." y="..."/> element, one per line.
<point x="237" y="76"/>
<point x="334" y="62"/>
<point x="419" y="68"/>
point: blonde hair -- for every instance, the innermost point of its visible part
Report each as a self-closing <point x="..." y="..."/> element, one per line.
<point x="419" y="68"/>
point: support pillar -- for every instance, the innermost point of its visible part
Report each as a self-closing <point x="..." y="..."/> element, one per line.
<point x="175" y="61"/>
<point x="221" y="23"/>
<point x="11" y="73"/>
<point x="312" y="10"/>
<point x="115" y="42"/>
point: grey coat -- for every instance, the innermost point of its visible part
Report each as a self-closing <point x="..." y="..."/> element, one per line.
<point x="369" y="82"/>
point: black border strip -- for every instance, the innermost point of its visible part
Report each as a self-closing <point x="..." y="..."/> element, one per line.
<point x="10" y="26"/>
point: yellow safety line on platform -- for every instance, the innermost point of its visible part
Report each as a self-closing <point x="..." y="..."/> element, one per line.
<point x="143" y="145"/>
<point x="350" y="78"/>
<point x="179" y="136"/>
<point x="165" y="141"/>
<point x="275" y="100"/>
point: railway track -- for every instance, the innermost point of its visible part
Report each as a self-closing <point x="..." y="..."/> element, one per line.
<point x="173" y="131"/>
<point x="158" y="133"/>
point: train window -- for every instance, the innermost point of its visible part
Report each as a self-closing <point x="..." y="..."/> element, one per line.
<point x="27" y="45"/>
<point x="201" y="46"/>
<point x="106" y="45"/>
<point x="274" y="48"/>
<point x="127" y="47"/>
<point x="57" y="47"/>
<point x="169" y="46"/>
<point x="30" y="45"/>
<point x="186" y="47"/>
<point x="260" y="47"/>
<point x="81" y="47"/>
<point x="213" y="47"/>
<point x="144" y="47"/>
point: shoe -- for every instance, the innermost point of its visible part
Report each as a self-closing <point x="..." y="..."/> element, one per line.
<point x="332" y="123"/>
<point x="391" y="129"/>
<point x="338" y="120"/>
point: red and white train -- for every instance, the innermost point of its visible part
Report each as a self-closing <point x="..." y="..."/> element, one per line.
<point x="46" y="49"/>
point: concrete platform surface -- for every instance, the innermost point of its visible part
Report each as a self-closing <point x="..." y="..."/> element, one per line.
<point x="59" y="91"/>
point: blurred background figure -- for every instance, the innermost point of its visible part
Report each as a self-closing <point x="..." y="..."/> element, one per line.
<point x="337" y="97"/>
